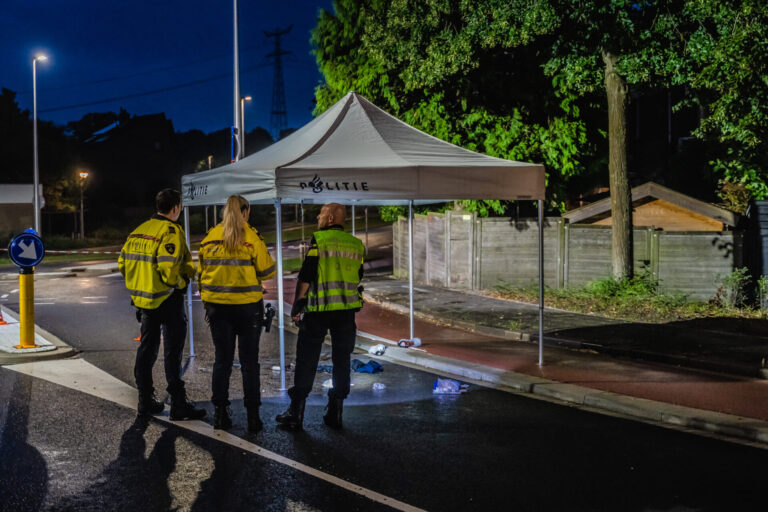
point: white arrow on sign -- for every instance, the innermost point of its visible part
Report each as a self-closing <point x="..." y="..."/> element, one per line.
<point x="28" y="251"/>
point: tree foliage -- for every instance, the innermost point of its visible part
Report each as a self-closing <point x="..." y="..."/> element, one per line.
<point x="728" y="71"/>
<point x="466" y="72"/>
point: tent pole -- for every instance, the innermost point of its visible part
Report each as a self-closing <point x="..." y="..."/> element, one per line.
<point x="302" y="222"/>
<point x="541" y="282"/>
<point x="353" y="220"/>
<point x="410" y="265"/>
<point x="279" y="278"/>
<point x="190" y="318"/>
<point x="366" y="228"/>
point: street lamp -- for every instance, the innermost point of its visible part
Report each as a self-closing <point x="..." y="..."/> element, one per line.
<point x="242" y="124"/>
<point x="34" y="132"/>
<point x="83" y="177"/>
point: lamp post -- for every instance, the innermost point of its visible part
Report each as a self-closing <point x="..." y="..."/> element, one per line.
<point x="242" y="124"/>
<point x="36" y="181"/>
<point x="83" y="177"/>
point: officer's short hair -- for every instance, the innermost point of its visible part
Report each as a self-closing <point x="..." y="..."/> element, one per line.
<point x="166" y="199"/>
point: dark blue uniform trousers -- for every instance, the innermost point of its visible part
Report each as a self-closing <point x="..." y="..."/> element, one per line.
<point x="171" y="319"/>
<point x="227" y="322"/>
<point x="312" y="331"/>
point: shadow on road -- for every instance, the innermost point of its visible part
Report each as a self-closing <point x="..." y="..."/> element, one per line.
<point x="23" y="470"/>
<point x="132" y="482"/>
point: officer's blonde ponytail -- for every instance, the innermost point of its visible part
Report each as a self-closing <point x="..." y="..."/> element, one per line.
<point x="234" y="232"/>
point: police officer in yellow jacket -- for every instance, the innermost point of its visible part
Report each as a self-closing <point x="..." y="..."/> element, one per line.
<point x="328" y="296"/>
<point x="233" y="263"/>
<point x="157" y="267"/>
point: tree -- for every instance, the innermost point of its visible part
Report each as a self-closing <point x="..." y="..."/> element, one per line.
<point x="728" y="55"/>
<point x="16" y="137"/>
<point x="609" y="48"/>
<point x="466" y="72"/>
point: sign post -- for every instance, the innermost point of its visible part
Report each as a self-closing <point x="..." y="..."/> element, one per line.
<point x="26" y="251"/>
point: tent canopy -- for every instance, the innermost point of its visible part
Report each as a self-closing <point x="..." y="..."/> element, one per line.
<point x="355" y="153"/>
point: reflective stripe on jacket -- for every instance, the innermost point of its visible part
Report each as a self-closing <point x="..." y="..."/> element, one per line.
<point x="155" y="260"/>
<point x="340" y="256"/>
<point x="233" y="277"/>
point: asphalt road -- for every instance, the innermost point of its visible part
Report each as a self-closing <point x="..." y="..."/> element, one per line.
<point x="62" y="449"/>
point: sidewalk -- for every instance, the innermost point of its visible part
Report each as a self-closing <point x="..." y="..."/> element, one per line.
<point x="457" y="332"/>
<point x="711" y="344"/>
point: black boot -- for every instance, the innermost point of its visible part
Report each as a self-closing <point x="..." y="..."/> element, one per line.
<point x="254" y="422"/>
<point x="183" y="409"/>
<point x="221" y="418"/>
<point x="149" y="404"/>
<point x="333" y="412"/>
<point x="293" y="417"/>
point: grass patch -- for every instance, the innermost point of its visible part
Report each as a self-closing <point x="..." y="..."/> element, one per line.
<point x="637" y="299"/>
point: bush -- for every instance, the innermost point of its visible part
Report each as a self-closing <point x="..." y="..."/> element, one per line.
<point x="641" y="285"/>
<point x="762" y="290"/>
<point x="733" y="291"/>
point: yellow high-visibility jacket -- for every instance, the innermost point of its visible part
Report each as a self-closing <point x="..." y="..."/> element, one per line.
<point x="233" y="277"/>
<point x="155" y="260"/>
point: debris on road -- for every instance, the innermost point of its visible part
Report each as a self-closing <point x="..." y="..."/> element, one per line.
<point x="379" y="386"/>
<point x="448" y="387"/>
<point x="377" y="350"/>
<point x="406" y="343"/>
<point x="370" y="367"/>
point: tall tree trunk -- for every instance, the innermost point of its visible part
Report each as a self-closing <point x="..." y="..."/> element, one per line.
<point x="621" y="198"/>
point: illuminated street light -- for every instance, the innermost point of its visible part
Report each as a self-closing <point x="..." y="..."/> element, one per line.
<point x="83" y="178"/>
<point x="242" y="124"/>
<point x="36" y="179"/>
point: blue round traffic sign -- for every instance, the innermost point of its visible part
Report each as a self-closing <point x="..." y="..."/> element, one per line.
<point x="26" y="250"/>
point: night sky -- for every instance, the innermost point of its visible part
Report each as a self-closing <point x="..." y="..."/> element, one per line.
<point x="125" y="52"/>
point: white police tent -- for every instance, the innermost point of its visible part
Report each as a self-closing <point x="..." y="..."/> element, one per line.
<point x="357" y="154"/>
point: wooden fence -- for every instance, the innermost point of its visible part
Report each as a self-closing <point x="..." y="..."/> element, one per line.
<point x="459" y="250"/>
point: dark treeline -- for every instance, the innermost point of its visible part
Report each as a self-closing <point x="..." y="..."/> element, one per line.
<point x="128" y="158"/>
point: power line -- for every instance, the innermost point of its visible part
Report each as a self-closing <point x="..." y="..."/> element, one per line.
<point x="147" y="93"/>
<point x="138" y="73"/>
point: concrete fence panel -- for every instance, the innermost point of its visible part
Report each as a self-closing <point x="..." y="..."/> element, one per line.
<point x="458" y="250"/>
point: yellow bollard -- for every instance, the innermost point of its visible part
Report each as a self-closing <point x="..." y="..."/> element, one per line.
<point x="26" y="308"/>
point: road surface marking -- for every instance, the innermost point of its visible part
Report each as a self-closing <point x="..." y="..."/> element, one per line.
<point x="14" y="291"/>
<point x="111" y="275"/>
<point x="82" y="376"/>
<point x="44" y="303"/>
<point x="3" y="296"/>
<point x="93" y="302"/>
<point x="94" y="298"/>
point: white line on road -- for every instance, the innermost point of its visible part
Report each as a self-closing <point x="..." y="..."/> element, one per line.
<point x="14" y="291"/>
<point x="94" y="298"/>
<point x="93" y="302"/>
<point x="43" y="303"/>
<point x="82" y="376"/>
<point x="3" y="296"/>
<point x="116" y="274"/>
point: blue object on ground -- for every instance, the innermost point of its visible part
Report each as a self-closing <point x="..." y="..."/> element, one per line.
<point x="325" y="368"/>
<point x="448" y="387"/>
<point x="370" y="367"/>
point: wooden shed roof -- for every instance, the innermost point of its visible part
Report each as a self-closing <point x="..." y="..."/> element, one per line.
<point x="652" y="190"/>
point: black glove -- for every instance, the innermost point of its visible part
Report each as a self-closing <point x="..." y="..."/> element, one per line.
<point x="298" y="306"/>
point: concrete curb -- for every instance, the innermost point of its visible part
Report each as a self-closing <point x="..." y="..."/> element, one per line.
<point x="648" y="356"/>
<point x="642" y="409"/>
<point x="61" y="351"/>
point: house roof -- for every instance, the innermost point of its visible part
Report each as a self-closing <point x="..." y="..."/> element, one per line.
<point x="652" y="190"/>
